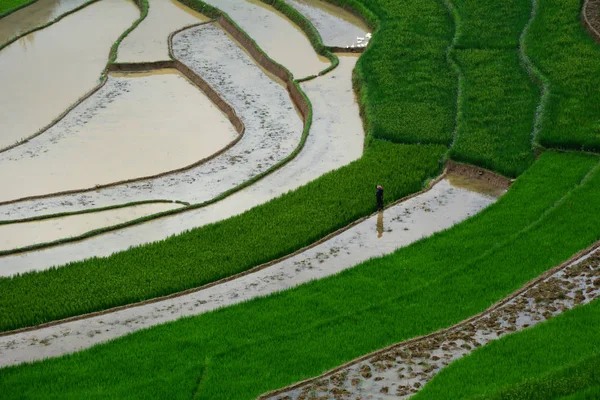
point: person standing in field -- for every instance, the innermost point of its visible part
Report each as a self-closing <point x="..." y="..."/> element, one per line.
<point x="379" y="197"/>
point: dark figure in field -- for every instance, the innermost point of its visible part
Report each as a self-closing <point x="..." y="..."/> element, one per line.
<point x="379" y="197"/>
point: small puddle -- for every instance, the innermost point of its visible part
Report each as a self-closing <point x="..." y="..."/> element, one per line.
<point x="149" y="41"/>
<point x="14" y="236"/>
<point x="336" y="26"/>
<point x="136" y="125"/>
<point x="275" y="34"/>
<point x="38" y="14"/>
<point x="45" y="72"/>
<point x="475" y="185"/>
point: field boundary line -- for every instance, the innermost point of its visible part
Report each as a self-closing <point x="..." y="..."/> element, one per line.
<point x="460" y="324"/>
<point x="451" y="168"/>
<point x="13" y="10"/>
<point x="593" y="29"/>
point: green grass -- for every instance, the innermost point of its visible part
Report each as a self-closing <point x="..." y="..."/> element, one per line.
<point x="569" y="59"/>
<point x="241" y="351"/>
<point x="560" y="357"/>
<point x="408" y="89"/>
<point x="212" y="252"/>
<point x="498" y="99"/>
<point x="7" y="6"/>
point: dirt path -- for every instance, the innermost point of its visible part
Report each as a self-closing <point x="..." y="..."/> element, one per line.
<point x="336" y="139"/>
<point x="401" y="370"/>
<point x="591" y="18"/>
<point x="437" y="209"/>
<point x="272" y="131"/>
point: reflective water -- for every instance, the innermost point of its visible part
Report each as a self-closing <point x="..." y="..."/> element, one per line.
<point x="45" y="72"/>
<point x="14" y="236"/>
<point x="136" y="125"/>
<point x="280" y="38"/>
<point x="39" y="13"/>
<point x="336" y="26"/>
<point x="149" y="41"/>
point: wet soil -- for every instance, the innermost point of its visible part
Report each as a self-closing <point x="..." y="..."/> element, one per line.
<point x="18" y="235"/>
<point x="149" y="41"/>
<point x="335" y="140"/>
<point x="43" y="73"/>
<point x="404" y="369"/>
<point x="273" y="131"/>
<point x="136" y="125"/>
<point x="432" y="211"/>
<point x="275" y="34"/>
<point x="336" y="26"/>
<point x="38" y="14"/>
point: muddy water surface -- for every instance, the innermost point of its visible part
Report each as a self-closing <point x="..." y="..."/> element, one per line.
<point x="136" y="125"/>
<point x="336" y="26"/>
<point x="39" y="13"/>
<point x="46" y="71"/>
<point x="443" y="206"/>
<point x="14" y="236"/>
<point x="149" y="41"/>
<point x="272" y="131"/>
<point x="275" y="34"/>
<point x="336" y="139"/>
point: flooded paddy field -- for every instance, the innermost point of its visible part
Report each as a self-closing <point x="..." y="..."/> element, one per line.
<point x="149" y="41"/>
<point x="439" y="208"/>
<point x="17" y="235"/>
<point x="336" y="139"/>
<point x="272" y="131"/>
<point x="136" y="125"/>
<point x="402" y="370"/>
<point x="337" y="27"/>
<point x="35" y="15"/>
<point x="275" y="34"/>
<point x="43" y="73"/>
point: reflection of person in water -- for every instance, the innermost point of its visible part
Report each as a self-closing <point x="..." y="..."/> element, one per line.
<point x="380" y="224"/>
<point x="379" y="196"/>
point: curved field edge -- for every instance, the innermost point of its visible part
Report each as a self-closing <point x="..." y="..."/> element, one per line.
<point x="218" y="250"/>
<point x="363" y="206"/>
<point x="10" y="6"/>
<point x="141" y="4"/>
<point x="301" y="332"/>
<point x="565" y="57"/>
<point x="559" y="357"/>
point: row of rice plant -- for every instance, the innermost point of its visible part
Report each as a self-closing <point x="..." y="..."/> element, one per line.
<point x="212" y="252"/>
<point x="567" y="61"/>
<point x="498" y="99"/>
<point x="241" y="351"/>
<point x="558" y="358"/>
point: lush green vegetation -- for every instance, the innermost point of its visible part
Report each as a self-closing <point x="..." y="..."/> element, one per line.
<point x="498" y="99"/>
<point x="203" y="255"/>
<point x="7" y="6"/>
<point x="242" y="351"/>
<point x="557" y="358"/>
<point x="408" y="89"/>
<point x="567" y="58"/>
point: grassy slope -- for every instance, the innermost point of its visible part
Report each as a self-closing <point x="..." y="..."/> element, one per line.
<point x="498" y="99"/>
<point x="218" y="250"/>
<point x="557" y="358"/>
<point x="408" y="87"/>
<point x="244" y="350"/>
<point x="569" y="58"/>
<point x="8" y="5"/>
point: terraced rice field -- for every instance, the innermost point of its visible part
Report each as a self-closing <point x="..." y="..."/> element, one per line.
<point x="188" y="199"/>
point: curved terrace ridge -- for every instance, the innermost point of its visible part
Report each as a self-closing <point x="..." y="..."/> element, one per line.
<point x="403" y="368"/>
<point x="138" y="190"/>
